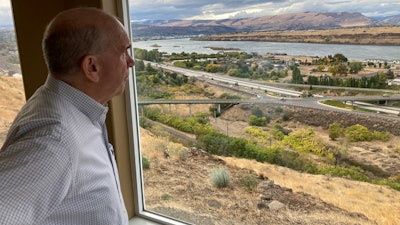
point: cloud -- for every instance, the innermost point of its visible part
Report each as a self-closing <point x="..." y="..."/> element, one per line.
<point x="211" y="9"/>
<point x="6" y="18"/>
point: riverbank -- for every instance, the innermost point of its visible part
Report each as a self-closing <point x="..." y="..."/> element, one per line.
<point x="363" y="36"/>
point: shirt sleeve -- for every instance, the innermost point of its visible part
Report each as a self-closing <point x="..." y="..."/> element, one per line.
<point x="35" y="176"/>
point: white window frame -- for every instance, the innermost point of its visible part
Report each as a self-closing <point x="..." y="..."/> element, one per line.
<point x="142" y="216"/>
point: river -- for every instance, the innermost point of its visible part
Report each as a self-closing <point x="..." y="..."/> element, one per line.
<point x="352" y="52"/>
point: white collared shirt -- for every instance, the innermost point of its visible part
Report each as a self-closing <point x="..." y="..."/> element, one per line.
<point x="56" y="165"/>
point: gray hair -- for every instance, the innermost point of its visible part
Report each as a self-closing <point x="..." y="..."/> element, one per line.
<point x="65" y="45"/>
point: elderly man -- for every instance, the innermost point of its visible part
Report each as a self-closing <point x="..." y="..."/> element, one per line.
<point x="56" y="165"/>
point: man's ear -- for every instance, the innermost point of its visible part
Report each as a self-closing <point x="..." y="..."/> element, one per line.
<point x="90" y="68"/>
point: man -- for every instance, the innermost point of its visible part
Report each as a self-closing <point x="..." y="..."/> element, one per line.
<point x="56" y="165"/>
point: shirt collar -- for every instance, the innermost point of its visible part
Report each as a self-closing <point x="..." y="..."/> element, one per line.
<point x="87" y="105"/>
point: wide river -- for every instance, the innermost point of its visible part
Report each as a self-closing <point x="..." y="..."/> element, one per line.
<point x="352" y="52"/>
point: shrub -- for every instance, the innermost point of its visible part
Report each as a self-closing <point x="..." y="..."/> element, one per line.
<point x="257" y="112"/>
<point x="143" y="122"/>
<point x="395" y="178"/>
<point x="257" y="121"/>
<point x="358" y="133"/>
<point x="305" y="140"/>
<point x="335" y="130"/>
<point x="382" y="136"/>
<point x="278" y="109"/>
<point x="285" y="117"/>
<point x="145" y="163"/>
<point x="248" y="181"/>
<point x="166" y="196"/>
<point x="220" y="177"/>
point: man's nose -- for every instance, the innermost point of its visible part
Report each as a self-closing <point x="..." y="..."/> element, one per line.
<point x="131" y="61"/>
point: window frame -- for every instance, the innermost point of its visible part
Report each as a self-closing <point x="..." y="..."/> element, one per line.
<point x="141" y="215"/>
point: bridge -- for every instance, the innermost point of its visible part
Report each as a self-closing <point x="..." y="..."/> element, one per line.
<point x="313" y="102"/>
<point x="293" y="96"/>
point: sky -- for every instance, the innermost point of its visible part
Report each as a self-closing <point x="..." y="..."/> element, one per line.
<point x="214" y="9"/>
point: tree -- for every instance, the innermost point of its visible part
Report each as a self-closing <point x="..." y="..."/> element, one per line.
<point x="342" y="69"/>
<point x="340" y="58"/>
<point x="312" y="80"/>
<point x="297" y="78"/>
<point x="355" y="67"/>
<point x="233" y="72"/>
<point x="139" y="65"/>
<point x="389" y="74"/>
<point x="213" y="68"/>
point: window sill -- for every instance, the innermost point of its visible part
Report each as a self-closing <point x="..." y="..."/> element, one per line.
<point x="141" y="221"/>
<point x="153" y="219"/>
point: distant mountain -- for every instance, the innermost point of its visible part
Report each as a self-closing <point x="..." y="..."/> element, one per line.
<point x="295" y="21"/>
<point x="158" y="31"/>
<point x="393" y="20"/>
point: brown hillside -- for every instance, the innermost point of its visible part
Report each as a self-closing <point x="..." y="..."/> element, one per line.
<point x="12" y="97"/>
<point x="367" y="36"/>
<point x="180" y="186"/>
<point x="293" y="21"/>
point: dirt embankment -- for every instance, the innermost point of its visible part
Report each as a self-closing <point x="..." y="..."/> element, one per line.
<point x="323" y="118"/>
<point x="12" y="97"/>
<point x="365" y="36"/>
<point x="181" y="188"/>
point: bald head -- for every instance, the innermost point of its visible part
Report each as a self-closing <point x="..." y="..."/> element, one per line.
<point x="73" y="34"/>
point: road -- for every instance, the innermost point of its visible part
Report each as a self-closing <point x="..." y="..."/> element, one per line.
<point x="260" y="90"/>
<point x="229" y="80"/>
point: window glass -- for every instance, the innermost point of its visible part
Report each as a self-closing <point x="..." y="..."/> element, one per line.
<point x="12" y="95"/>
<point x="254" y="112"/>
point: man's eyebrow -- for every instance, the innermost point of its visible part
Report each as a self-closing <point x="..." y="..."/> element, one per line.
<point x="128" y="46"/>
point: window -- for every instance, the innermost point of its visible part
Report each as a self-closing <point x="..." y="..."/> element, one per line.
<point x="11" y="86"/>
<point x="221" y="145"/>
<point x="268" y="147"/>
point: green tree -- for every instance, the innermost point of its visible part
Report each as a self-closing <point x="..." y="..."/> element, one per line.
<point x="139" y="65"/>
<point x="355" y="67"/>
<point x="297" y="78"/>
<point x="213" y="68"/>
<point x="339" y="58"/>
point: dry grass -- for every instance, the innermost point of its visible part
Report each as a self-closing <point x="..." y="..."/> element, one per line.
<point x="12" y="98"/>
<point x="380" y="204"/>
<point x="179" y="186"/>
<point x="185" y="179"/>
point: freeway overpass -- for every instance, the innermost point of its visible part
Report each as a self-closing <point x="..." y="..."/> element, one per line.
<point x="270" y="88"/>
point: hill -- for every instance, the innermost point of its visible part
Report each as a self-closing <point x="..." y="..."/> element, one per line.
<point x="393" y="20"/>
<point x="12" y="98"/>
<point x="357" y="35"/>
<point x="179" y="185"/>
<point x="295" y="21"/>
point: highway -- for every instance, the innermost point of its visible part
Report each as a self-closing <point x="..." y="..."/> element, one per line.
<point x="291" y="97"/>
<point x="229" y="80"/>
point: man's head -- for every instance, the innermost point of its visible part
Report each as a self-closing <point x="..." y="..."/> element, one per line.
<point x="88" y="49"/>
